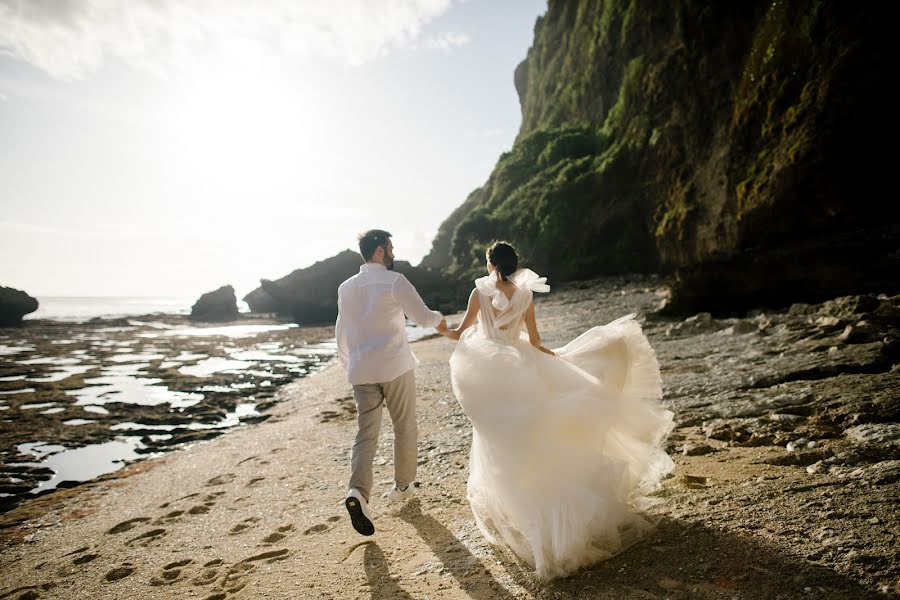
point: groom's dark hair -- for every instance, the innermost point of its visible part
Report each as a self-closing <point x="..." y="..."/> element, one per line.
<point x="370" y="240"/>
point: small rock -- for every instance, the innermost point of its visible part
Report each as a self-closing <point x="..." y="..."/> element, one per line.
<point x="875" y="434"/>
<point x="694" y="481"/>
<point x="797" y="444"/>
<point x="697" y="449"/>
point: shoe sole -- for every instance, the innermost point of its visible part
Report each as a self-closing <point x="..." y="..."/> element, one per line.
<point x="361" y="522"/>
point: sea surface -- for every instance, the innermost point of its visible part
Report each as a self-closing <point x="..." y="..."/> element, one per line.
<point x="75" y="309"/>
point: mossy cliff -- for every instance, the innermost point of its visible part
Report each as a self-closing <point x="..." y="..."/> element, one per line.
<point x="745" y="148"/>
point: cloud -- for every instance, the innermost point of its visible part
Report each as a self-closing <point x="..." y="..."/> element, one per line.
<point x="444" y="42"/>
<point x="73" y="38"/>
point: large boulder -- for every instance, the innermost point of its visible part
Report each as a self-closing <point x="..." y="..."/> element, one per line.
<point x="218" y="305"/>
<point x="15" y="304"/>
<point x="309" y="296"/>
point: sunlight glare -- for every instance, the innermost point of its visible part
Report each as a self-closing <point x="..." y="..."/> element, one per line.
<point x="242" y="129"/>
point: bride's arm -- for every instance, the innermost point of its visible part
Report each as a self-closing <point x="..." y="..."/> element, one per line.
<point x="533" y="335"/>
<point x="468" y="320"/>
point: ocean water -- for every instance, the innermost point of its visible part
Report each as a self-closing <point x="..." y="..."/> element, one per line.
<point x="78" y="309"/>
<point x="83" y="308"/>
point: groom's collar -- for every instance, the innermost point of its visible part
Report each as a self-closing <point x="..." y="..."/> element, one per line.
<point x="369" y="266"/>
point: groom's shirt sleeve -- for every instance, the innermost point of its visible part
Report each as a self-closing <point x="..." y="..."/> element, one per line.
<point x="340" y="337"/>
<point x="413" y="305"/>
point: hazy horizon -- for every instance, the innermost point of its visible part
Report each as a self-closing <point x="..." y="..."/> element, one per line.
<point x="164" y="149"/>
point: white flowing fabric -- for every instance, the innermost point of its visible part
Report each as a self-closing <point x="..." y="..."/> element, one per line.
<point x="564" y="448"/>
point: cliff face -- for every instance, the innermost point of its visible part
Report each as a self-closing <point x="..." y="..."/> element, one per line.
<point x="732" y="145"/>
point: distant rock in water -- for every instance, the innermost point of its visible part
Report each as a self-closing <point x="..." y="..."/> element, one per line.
<point x="219" y="305"/>
<point x="309" y="296"/>
<point x="15" y="304"/>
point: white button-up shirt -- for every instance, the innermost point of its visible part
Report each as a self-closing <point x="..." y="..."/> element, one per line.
<point x="370" y="328"/>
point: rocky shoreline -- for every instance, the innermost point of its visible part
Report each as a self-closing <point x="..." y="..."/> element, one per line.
<point x="786" y="483"/>
<point x="78" y="399"/>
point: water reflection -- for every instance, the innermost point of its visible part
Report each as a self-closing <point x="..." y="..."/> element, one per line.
<point x="129" y="389"/>
<point x="81" y="464"/>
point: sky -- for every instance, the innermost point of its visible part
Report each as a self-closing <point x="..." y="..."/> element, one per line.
<point x="169" y="147"/>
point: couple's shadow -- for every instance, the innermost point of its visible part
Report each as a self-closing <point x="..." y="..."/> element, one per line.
<point x="681" y="560"/>
<point x="469" y="571"/>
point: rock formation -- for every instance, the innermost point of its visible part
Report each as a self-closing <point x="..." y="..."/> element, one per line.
<point x="730" y="145"/>
<point x="15" y="304"/>
<point x="309" y="295"/>
<point x="218" y="305"/>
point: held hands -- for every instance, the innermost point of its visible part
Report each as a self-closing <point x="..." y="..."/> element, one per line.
<point x="445" y="331"/>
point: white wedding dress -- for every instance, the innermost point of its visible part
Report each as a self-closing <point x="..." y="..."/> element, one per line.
<point x="564" y="448"/>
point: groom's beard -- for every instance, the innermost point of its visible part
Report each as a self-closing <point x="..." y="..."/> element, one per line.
<point x="389" y="263"/>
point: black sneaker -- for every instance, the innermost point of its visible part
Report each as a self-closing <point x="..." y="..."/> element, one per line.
<point x="359" y="512"/>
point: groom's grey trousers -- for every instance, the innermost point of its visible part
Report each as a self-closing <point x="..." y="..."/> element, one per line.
<point x="399" y="395"/>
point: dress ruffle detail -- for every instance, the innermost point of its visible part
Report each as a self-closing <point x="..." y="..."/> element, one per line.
<point x="523" y="279"/>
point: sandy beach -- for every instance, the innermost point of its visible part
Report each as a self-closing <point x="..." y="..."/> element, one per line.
<point x="792" y="503"/>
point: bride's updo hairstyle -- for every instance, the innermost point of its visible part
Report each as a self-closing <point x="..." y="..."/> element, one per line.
<point x="504" y="258"/>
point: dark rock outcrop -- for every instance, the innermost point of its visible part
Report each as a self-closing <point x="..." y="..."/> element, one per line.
<point x="218" y="305"/>
<point x="729" y="144"/>
<point x="309" y="296"/>
<point x="15" y="304"/>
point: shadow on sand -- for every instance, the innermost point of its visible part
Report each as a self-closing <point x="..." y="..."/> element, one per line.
<point x="681" y="560"/>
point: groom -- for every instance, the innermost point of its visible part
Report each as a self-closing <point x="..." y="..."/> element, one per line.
<point x="372" y="346"/>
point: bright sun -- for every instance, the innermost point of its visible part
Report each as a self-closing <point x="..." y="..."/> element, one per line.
<point x="245" y="128"/>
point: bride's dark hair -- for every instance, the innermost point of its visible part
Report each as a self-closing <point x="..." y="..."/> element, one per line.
<point x="503" y="256"/>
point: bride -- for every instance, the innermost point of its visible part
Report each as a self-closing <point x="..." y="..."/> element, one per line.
<point x="565" y="444"/>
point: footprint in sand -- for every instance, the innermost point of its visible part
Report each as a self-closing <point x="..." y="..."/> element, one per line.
<point x="208" y="502"/>
<point x="243" y="525"/>
<point x="220" y="479"/>
<point x="120" y="572"/>
<point x="345" y="411"/>
<point x="83" y="560"/>
<point x="210" y="572"/>
<point x="249" y="458"/>
<point x="171" y="573"/>
<point x="126" y="525"/>
<point x="269" y="557"/>
<point x="254" y="481"/>
<point x="169" y="517"/>
<point x="235" y="577"/>
<point x="167" y="504"/>
<point x="147" y="537"/>
<point x="30" y="592"/>
<point x="278" y="535"/>
<point x="319" y="528"/>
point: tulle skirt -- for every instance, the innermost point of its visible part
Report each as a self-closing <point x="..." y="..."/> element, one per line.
<point x="565" y="449"/>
